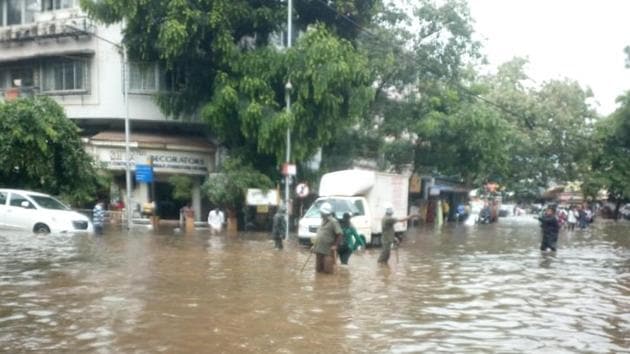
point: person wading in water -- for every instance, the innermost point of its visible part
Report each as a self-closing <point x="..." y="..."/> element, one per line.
<point x="350" y="241"/>
<point x="278" y="227"/>
<point x="327" y="240"/>
<point x="388" y="233"/>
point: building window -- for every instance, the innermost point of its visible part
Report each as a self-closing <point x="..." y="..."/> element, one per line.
<point x="17" y="12"/>
<point x="21" y="77"/>
<point x="146" y="78"/>
<point x="52" y="5"/>
<point x="65" y="75"/>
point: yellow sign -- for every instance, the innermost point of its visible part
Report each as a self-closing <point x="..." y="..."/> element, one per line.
<point x="262" y="209"/>
<point x="414" y="184"/>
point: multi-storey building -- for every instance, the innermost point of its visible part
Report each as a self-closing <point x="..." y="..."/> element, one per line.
<point x="49" y="47"/>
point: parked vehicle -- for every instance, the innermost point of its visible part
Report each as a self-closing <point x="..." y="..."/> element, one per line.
<point x="39" y="213"/>
<point x="363" y="193"/>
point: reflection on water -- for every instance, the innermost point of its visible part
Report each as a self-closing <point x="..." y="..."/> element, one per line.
<point x="484" y="288"/>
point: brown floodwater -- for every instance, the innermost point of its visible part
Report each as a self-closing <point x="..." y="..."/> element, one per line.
<point x="458" y="288"/>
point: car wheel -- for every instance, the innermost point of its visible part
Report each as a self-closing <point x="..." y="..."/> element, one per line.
<point x="41" y="229"/>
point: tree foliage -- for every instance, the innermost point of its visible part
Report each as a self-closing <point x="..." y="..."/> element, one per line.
<point x="229" y="186"/>
<point x="41" y="149"/>
<point x="182" y="187"/>
<point x="611" y="158"/>
<point x="417" y="62"/>
<point x="219" y="54"/>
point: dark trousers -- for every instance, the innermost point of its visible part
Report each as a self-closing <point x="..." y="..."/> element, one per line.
<point x="385" y="252"/>
<point x="324" y="263"/>
<point x="98" y="229"/>
<point x="549" y="241"/>
<point x="278" y="242"/>
<point x="344" y="254"/>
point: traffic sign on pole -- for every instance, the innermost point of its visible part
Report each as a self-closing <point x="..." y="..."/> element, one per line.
<point x="302" y="190"/>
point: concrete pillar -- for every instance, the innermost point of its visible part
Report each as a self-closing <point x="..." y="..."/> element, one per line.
<point x="142" y="194"/>
<point x="196" y="198"/>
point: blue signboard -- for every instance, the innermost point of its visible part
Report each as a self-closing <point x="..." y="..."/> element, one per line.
<point x="144" y="173"/>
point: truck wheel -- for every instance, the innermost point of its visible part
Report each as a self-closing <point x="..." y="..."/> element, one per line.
<point x="41" y="229"/>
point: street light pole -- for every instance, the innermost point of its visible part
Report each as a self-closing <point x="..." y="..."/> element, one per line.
<point x="125" y="84"/>
<point x="128" y="205"/>
<point x="287" y="90"/>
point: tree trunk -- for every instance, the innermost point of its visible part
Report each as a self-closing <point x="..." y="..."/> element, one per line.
<point x="232" y="221"/>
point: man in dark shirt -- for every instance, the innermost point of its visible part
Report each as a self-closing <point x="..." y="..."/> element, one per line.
<point x="278" y="228"/>
<point x="550" y="228"/>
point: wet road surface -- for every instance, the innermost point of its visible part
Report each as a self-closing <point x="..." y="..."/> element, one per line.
<point x="483" y="288"/>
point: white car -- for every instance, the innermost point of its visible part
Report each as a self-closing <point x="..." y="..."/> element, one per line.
<point x="39" y="213"/>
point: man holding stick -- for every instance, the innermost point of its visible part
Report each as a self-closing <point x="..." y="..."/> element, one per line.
<point x="327" y="240"/>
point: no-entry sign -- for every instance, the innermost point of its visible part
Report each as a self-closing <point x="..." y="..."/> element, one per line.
<point x="301" y="190"/>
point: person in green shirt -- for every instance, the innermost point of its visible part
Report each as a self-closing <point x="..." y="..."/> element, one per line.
<point x="327" y="240"/>
<point x="388" y="233"/>
<point x="350" y="240"/>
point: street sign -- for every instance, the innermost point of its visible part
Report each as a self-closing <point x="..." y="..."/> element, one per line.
<point x="289" y="170"/>
<point x="301" y="190"/>
<point x="144" y="173"/>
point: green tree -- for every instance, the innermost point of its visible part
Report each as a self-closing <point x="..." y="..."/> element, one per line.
<point x="228" y="187"/>
<point x="611" y="160"/>
<point x="472" y="142"/>
<point x="40" y="149"/>
<point x="418" y="60"/>
<point x="182" y="188"/>
<point x="219" y="54"/>
<point x="551" y="126"/>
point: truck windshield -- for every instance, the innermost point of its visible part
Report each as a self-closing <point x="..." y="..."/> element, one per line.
<point x="340" y="206"/>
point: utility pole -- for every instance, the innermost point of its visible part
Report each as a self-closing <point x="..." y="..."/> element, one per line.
<point x="287" y="91"/>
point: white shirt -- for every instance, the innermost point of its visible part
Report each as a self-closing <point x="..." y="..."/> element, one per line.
<point x="572" y="216"/>
<point x="216" y="218"/>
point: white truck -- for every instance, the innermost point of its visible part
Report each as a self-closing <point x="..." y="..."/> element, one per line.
<point x="363" y="193"/>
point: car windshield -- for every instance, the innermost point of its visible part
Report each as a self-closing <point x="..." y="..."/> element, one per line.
<point x="340" y="206"/>
<point x="48" y="202"/>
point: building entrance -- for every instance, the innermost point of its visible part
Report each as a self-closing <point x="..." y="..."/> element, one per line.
<point x="168" y="207"/>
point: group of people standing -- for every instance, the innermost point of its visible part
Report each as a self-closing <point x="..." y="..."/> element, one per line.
<point x="340" y="237"/>
<point x="573" y="216"/>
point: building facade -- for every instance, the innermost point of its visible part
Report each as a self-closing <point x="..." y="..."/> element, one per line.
<point x="50" y="47"/>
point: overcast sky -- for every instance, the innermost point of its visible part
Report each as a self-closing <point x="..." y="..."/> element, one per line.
<point x="578" y="39"/>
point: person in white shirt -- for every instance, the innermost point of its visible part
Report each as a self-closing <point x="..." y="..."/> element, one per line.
<point x="572" y="218"/>
<point x="215" y="221"/>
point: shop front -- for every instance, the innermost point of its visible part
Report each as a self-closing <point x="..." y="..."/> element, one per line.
<point x="166" y="156"/>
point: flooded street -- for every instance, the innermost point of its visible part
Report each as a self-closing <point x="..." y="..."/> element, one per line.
<point x="483" y="288"/>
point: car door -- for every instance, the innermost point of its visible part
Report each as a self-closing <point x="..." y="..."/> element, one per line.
<point x="20" y="213"/>
<point x="3" y="208"/>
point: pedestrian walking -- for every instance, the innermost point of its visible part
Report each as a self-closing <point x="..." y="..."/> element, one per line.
<point x="388" y="233"/>
<point x="350" y="241"/>
<point x="327" y="240"/>
<point x="216" y="219"/>
<point x="582" y="217"/>
<point x="572" y="218"/>
<point x="550" y="228"/>
<point x="278" y="227"/>
<point x="98" y="218"/>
